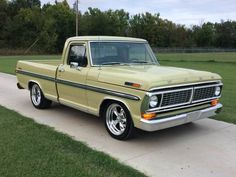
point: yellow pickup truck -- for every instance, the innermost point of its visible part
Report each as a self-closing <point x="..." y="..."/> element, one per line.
<point x="120" y="80"/>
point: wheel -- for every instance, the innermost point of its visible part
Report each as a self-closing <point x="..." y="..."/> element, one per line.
<point x="118" y="121"/>
<point x="37" y="98"/>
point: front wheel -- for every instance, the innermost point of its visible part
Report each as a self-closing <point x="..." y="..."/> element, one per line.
<point x="118" y="121"/>
<point x="37" y="98"/>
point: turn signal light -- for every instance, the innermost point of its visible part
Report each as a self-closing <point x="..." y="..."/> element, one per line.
<point x="149" y="116"/>
<point x="214" y="102"/>
<point x="136" y="85"/>
<point x="133" y="84"/>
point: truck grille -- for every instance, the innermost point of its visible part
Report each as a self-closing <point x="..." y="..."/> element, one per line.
<point x="174" y="98"/>
<point x="203" y="93"/>
<point x="186" y="95"/>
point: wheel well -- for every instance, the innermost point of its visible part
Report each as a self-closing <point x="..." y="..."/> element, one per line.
<point x="106" y="102"/>
<point x="30" y="84"/>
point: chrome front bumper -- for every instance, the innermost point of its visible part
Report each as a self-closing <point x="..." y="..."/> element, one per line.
<point x="158" y="124"/>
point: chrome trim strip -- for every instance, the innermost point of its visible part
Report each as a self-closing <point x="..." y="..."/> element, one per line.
<point x="90" y="54"/>
<point x="175" y="108"/>
<point x="173" y="105"/>
<point x="161" y="100"/>
<point x="212" y="98"/>
<point x="206" y="86"/>
<point x="192" y="93"/>
<point x="170" y="91"/>
<point x="180" y="85"/>
<point x="82" y="86"/>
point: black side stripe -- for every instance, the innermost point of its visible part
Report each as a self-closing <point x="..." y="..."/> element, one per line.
<point x="40" y="76"/>
<point x="82" y="86"/>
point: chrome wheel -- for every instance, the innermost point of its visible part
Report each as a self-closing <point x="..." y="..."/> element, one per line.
<point x="116" y="119"/>
<point x="36" y="95"/>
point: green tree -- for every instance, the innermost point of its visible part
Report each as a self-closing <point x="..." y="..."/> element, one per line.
<point x="24" y="28"/>
<point x="146" y="26"/>
<point x="96" y="22"/>
<point x="3" y="21"/>
<point x="48" y="37"/>
<point x="225" y="34"/>
<point x="204" y="35"/>
<point x="16" y="5"/>
<point x="118" y="22"/>
<point x="61" y="21"/>
<point x="24" y="22"/>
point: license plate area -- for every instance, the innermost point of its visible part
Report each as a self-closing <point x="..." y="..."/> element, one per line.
<point x="192" y="116"/>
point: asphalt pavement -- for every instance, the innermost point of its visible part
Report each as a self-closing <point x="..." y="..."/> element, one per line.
<point x="206" y="148"/>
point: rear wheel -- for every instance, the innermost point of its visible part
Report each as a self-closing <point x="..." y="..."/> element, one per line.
<point x="37" y="98"/>
<point x="118" y="121"/>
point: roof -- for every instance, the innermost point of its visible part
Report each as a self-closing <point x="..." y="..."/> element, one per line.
<point x="105" y="38"/>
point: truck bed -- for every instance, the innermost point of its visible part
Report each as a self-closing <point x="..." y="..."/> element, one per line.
<point x="46" y="62"/>
<point x="40" y="69"/>
<point x="38" y="66"/>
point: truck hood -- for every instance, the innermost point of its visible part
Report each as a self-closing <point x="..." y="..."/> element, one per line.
<point x="151" y="76"/>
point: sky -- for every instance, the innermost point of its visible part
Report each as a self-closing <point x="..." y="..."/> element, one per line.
<point x="186" y="12"/>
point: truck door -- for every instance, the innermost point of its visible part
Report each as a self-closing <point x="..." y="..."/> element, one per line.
<point x="71" y="77"/>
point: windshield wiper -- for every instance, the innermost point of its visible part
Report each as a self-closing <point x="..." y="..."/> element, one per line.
<point x="111" y="63"/>
<point x="114" y="63"/>
<point x="140" y="62"/>
<point x="144" y="62"/>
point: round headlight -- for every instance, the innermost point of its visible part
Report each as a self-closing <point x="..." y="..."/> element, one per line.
<point x="153" y="101"/>
<point x="217" y="91"/>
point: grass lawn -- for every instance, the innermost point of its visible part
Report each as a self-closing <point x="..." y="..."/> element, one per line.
<point x="220" y="56"/>
<point x="29" y="149"/>
<point x="221" y="63"/>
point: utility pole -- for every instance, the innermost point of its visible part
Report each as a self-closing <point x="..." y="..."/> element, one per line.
<point x="77" y="17"/>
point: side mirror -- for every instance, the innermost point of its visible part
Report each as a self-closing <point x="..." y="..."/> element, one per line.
<point x="74" y="65"/>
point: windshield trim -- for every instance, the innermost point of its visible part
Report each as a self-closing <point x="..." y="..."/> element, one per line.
<point x="142" y="42"/>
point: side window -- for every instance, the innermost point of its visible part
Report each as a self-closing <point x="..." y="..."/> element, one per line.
<point x="77" y="54"/>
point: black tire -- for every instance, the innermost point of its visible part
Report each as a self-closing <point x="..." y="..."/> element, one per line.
<point x="37" y="97"/>
<point x="126" y="128"/>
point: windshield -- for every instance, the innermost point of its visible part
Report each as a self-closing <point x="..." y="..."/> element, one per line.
<point x="111" y="53"/>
